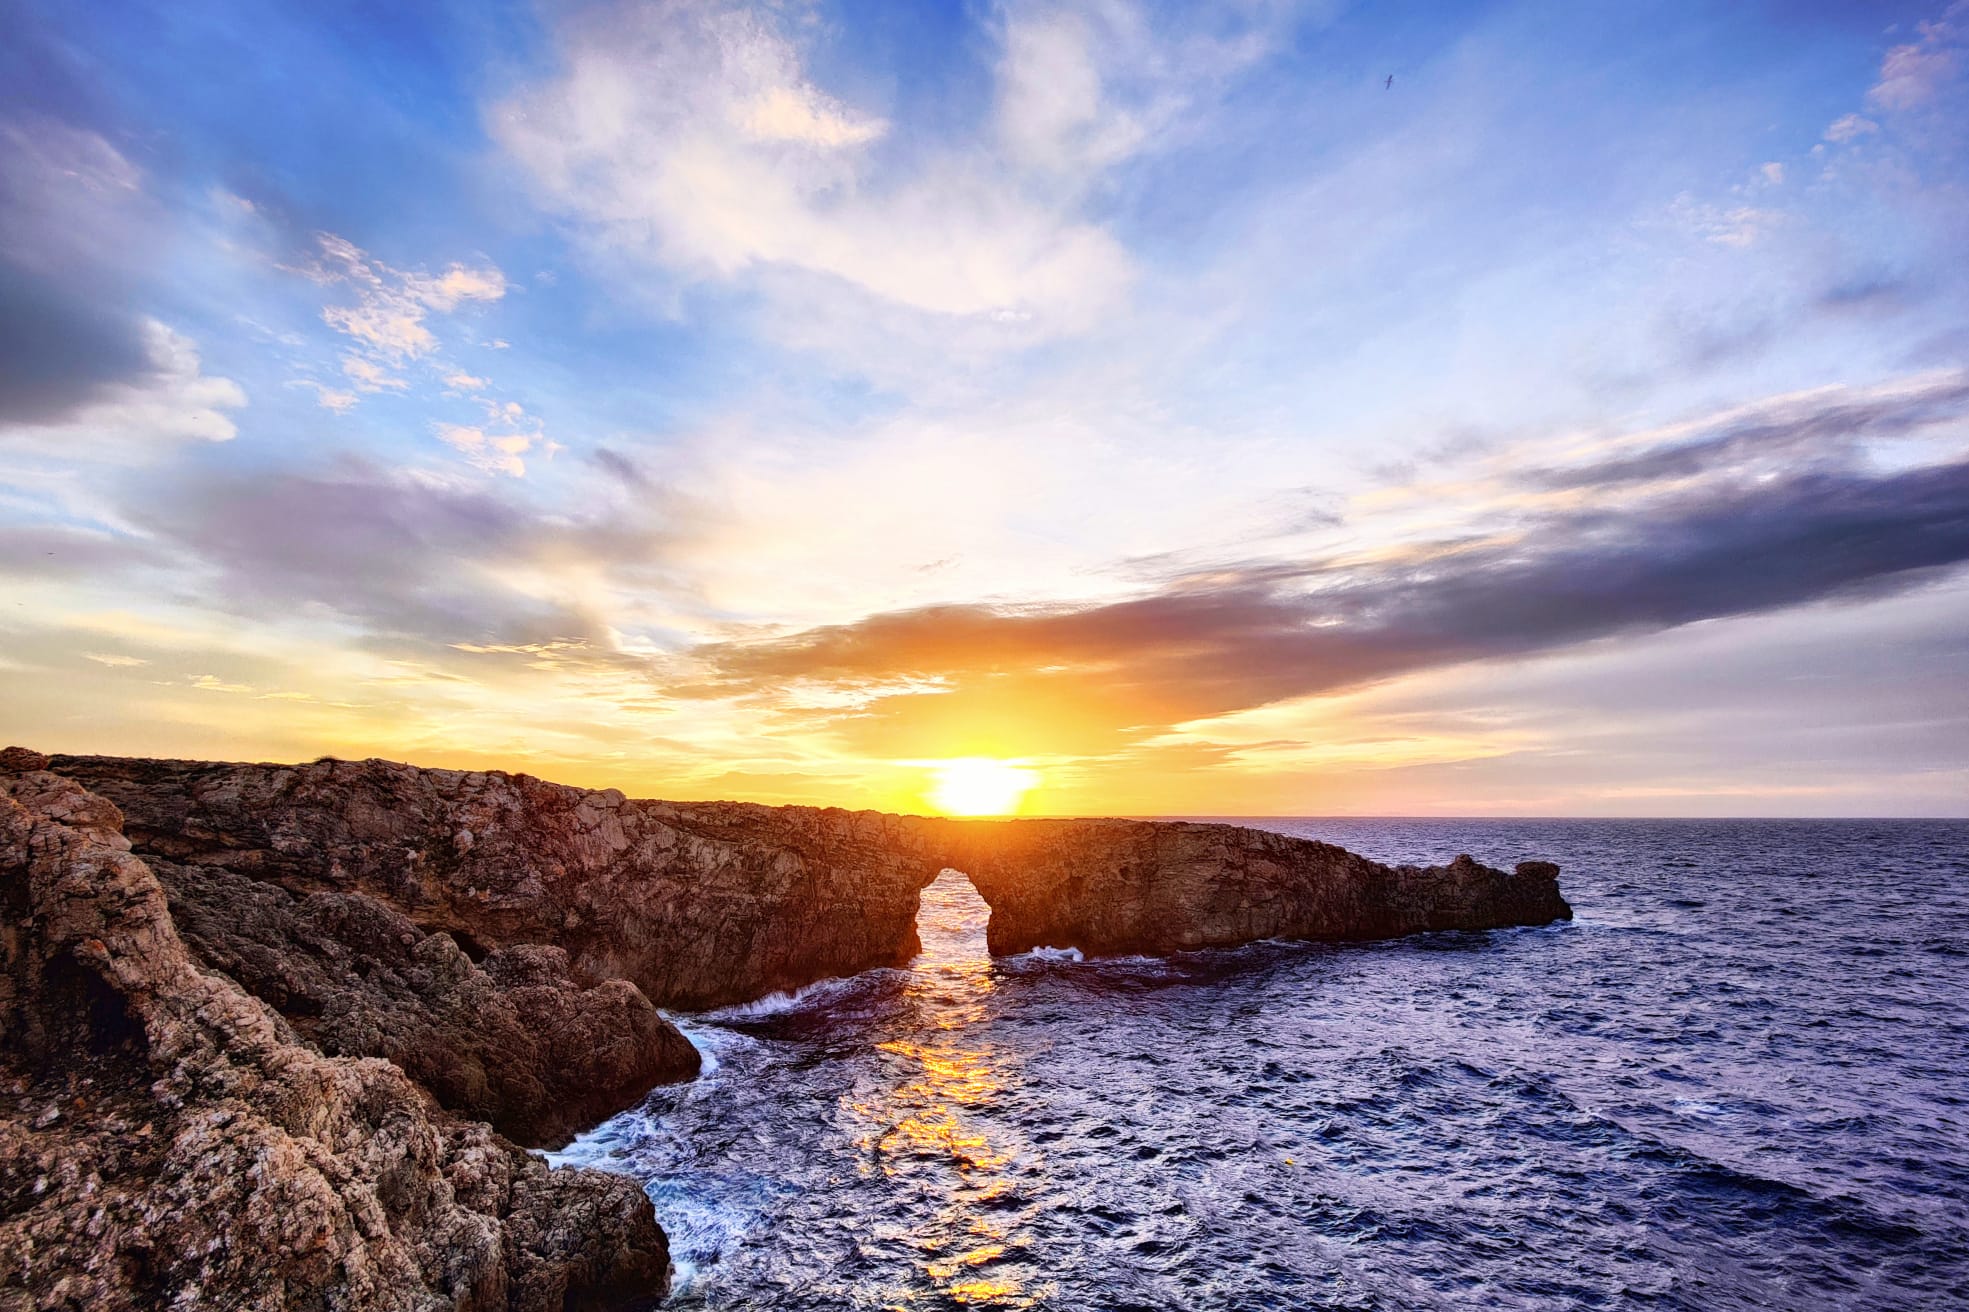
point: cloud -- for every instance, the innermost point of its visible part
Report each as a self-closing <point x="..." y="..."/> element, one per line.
<point x="334" y="399"/>
<point x="410" y="559"/>
<point x="1052" y="112"/>
<point x="497" y="453"/>
<point x="692" y="139"/>
<point x="1850" y="127"/>
<point x="1736" y="226"/>
<point x="60" y="352"/>
<point x="389" y="315"/>
<point x="1726" y="536"/>
<point x="169" y="400"/>
<point x="64" y="552"/>
<point x="801" y="114"/>
<point x="1913" y="75"/>
<point x="69" y="200"/>
<point x="82" y="375"/>
<point x="1825" y="425"/>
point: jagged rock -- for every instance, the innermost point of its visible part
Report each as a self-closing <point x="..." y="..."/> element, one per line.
<point x="512" y="1040"/>
<point x="1137" y="886"/>
<point x="165" y="1142"/>
<point x="702" y="904"/>
<point x="698" y="904"/>
<point x="171" y="1130"/>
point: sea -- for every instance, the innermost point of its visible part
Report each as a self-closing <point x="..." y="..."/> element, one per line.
<point x="1739" y="1078"/>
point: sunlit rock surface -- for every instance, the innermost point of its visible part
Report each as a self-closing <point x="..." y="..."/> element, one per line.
<point x="167" y="1140"/>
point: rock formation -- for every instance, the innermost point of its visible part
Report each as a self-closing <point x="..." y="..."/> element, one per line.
<point x="697" y="904"/>
<point x="702" y="904"/>
<point x="166" y="1139"/>
<point x="511" y="1039"/>
<point x="253" y="1014"/>
<point x="1140" y="886"/>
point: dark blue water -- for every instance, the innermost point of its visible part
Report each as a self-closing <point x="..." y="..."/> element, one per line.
<point x="1740" y="1079"/>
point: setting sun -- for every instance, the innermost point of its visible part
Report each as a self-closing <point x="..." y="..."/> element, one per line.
<point x="977" y="785"/>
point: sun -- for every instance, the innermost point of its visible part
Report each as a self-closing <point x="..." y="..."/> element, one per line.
<point x="978" y="785"/>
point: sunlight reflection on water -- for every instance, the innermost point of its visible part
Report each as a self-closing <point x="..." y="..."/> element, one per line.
<point x="1731" y="1084"/>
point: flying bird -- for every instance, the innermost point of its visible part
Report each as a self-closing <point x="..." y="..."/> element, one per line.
<point x="1389" y="85"/>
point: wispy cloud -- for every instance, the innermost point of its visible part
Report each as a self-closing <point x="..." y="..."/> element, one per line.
<point x="1914" y="74"/>
<point x="693" y="139"/>
<point x="1721" y="534"/>
<point x="389" y="309"/>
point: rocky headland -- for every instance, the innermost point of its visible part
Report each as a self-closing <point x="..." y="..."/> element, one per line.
<point x="276" y="1036"/>
<point x="1113" y="887"/>
<point x="167" y="1139"/>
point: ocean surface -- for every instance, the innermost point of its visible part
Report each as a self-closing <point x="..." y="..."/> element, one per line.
<point x="1740" y="1079"/>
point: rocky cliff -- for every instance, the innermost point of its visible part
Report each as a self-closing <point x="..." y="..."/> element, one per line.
<point x="698" y="904"/>
<point x="1139" y="886"/>
<point x="703" y="904"/>
<point x="167" y="1139"/>
<point x="253" y="1015"/>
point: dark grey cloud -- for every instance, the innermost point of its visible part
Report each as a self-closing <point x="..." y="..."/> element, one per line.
<point x="60" y="350"/>
<point x="1237" y="638"/>
<point x="1821" y="432"/>
<point x="409" y="560"/>
<point x="621" y="468"/>
<point x="60" y="551"/>
<point x="72" y="209"/>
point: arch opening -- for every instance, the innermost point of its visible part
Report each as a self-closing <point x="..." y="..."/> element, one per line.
<point x="951" y="922"/>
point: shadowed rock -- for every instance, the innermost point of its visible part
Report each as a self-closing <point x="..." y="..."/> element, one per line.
<point x="698" y="904"/>
<point x="170" y="1128"/>
<point x="165" y="1140"/>
<point x="1137" y="886"/>
<point x="512" y="1040"/>
<point x="702" y="904"/>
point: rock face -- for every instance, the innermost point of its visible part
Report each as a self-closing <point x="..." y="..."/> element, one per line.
<point x="703" y="904"/>
<point x="697" y="904"/>
<point x="245" y="1010"/>
<point x="512" y="1039"/>
<point x="167" y="1140"/>
<point x="1139" y="886"/>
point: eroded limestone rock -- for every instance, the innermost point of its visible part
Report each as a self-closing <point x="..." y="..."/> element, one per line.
<point x="698" y="904"/>
<point x="164" y="1141"/>
<point x="1137" y="886"/>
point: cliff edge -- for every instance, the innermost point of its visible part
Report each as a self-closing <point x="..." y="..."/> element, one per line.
<point x="165" y="1138"/>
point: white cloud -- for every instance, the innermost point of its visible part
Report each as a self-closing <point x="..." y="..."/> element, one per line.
<point x="389" y="315"/>
<point x="692" y="139"/>
<point x="1851" y="127"/>
<point x="802" y="114"/>
<point x="1051" y="111"/>
<point x="369" y="376"/>
<point x="496" y="453"/>
<point x="1914" y="75"/>
<point x="333" y="399"/>
<point x="171" y="401"/>
<point x="1736" y="226"/>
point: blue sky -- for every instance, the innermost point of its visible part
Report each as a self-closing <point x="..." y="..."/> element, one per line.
<point x="779" y="400"/>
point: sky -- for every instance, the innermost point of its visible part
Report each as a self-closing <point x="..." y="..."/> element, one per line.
<point x="1154" y="408"/>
